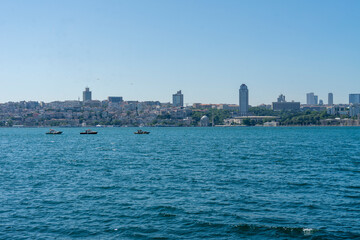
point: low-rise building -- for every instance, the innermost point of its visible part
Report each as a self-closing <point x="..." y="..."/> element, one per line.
<point x="286" y="106"/>
<point x="338" y="110"/>
<point x="256" y="119"/>
<point x="115" y="99"/>
<point x="271" y="124"/>
<point x="354" y="110"/>
<point x="204" y="121"/>
<point x="282" y="105"/>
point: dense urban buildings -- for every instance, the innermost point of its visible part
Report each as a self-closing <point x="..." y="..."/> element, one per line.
<point x="114" y="111"/>
<point x="243" y="100"/>
<point x="330" y="99"/>
<point x="354" y="98"/>
<point x="86" y="95"/>
<point x="178" y="99"/>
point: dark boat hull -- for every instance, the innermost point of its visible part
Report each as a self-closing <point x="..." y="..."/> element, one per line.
<point x="54" y="133"/>
<point x="88" y="133"/>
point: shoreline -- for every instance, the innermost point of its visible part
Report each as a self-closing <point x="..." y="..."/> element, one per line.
<point x="217" y="126"/>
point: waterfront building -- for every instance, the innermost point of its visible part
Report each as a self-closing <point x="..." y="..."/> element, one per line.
<point x="330" y="99"/>
<point x="86" y="95"/>
<point x="256" y="119"/>
<point x="354" y="98"/>
<point x="178" y="99"/>
<point x="243" y="100"/>
<point x="271" y="124"/>
<point x="115" y="99"/>
<point x="204" y="121"/>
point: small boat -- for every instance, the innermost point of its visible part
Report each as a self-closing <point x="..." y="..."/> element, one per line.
<point x="89" y="131"/>
<point x="52" y="131"/>
<point x="141" y="132"/>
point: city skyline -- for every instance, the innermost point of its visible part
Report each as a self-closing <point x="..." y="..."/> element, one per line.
<point x="177" y="99"/>
<point x="147" y="50"/>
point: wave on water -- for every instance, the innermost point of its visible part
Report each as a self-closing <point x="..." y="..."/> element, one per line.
<point x="274" y="230"/>
<point x="181" y="183"/>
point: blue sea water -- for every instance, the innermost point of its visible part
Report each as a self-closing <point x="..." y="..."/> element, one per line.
<point x="181" y="183"/>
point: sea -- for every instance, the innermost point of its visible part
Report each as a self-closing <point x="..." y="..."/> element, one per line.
<point x="181" y="183"/>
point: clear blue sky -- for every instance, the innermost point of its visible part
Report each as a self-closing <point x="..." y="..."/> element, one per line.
<point x="147" y="50"/>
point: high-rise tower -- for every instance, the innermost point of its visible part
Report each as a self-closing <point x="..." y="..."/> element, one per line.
<point x="310" y="100"/>
<point x="178" y="99"/>
<point x="330" y="99"/>
<point x="243" y="100"/>
<point x="316" y="99"/>
<point x="86" y="95"/>
<point x="354" y="98"/>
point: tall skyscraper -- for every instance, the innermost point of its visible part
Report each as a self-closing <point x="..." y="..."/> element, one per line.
<point x="310" y="100"/>
<point x="243" y="100"/>
<point x="354" y="98"/>
<point x="178" y="99"/>
<point x="330" y="99"/>
<point x="86" y="95"/>
<point x="316" y="99"/>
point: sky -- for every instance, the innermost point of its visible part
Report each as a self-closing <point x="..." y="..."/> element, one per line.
<point x="147" y="50"/>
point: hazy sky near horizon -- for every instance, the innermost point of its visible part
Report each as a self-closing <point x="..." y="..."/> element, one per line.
<point x="147" y="50"/>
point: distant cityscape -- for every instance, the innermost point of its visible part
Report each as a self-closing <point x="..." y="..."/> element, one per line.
<point x="115" y="111"/>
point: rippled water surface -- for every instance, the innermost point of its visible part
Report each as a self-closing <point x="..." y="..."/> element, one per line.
<point x="181" y="183"/>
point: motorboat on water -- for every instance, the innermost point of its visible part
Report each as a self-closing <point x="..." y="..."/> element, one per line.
<point x="141" y="132"/>
<point x="89" y="131"/>
<point x="52" y="131"/>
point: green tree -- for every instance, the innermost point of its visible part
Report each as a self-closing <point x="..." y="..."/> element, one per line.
<point x="246" y="122"/>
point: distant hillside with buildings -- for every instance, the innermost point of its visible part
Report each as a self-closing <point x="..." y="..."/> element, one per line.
<point x="115" y="111"/>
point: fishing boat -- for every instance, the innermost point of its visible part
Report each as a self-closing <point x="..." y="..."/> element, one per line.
<point x="52" y="131"/>
<point x="89" y="131"/>
<point x="141" y="132"/>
